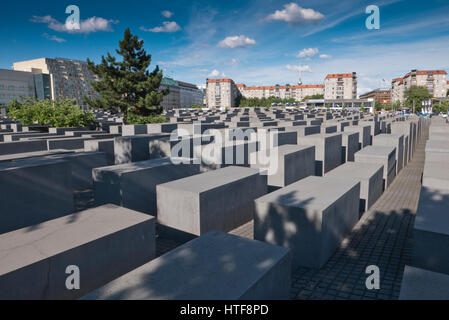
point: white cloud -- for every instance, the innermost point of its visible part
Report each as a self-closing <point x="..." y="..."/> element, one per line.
<point x="215" y="73"/>
<point x="168" y="26"/>
<point x="90" y="25"/>
<point x="307" y="52"/>
<point x="236" y="42"/>
<point x="234" y="62"/>
<point x="167" y="14"/>
<point x="296" y="15"/>
<point x="325" y="56"/>
<point x="303" y="68"/>
<point x="53" y="38"/>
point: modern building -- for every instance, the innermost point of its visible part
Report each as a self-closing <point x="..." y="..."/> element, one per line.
<point x="297" y="92"/>
<point x="68" y="78"/>
<point x="22" y="85"/>
<point x="434" y="80"/>
<point x="381" y="95"/>
<point x="221" y="93"/>
<point x="181" y="94"/>
<point x="340" y="86"/>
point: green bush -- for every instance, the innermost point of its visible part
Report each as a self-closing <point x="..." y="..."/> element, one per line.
<point x="137" y="119"/>
<point x="62" y="113"/>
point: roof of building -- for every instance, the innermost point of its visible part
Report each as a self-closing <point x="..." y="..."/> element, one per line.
<point x="219" y="80"/>
<point x="425" y="72"/>
<point x="169" y="82"/>
<point x="339" y="75"/>
<point x="281" y="87"/>
<point x="397" y="80"/>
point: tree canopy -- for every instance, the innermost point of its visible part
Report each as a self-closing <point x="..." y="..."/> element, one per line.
<point x="127" y="86"/>
<point x="415" y="95"/>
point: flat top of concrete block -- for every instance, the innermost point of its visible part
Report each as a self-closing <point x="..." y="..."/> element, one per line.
<point x="144" y="136"/>
<point x="420" y="284"/>
<point x="319" y="136"/>
<point x="24" y="155"/>
<point x="376" y="151"/>
<point x="136" y="166"/>
<point x="216" y="265"/>
<point x="25" y="246"/>
<point x="356" y="169"/>
<point x="388" y="136"/>
<point x="28" y="163"/>
<point x="437" y="146"/>
<point x="311" y="192"/>
<point x="290" y="148"/>
<point x="437" y="169"/>
<point x="432" y="214"/>
<point x="211" y="179"/>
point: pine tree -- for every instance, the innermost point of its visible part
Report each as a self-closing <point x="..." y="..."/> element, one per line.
<point x="127" y="85"/>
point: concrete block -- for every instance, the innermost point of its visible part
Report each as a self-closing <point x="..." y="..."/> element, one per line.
<point x="104" y="243"/>
<point x="33" y="191"/>
<point x="327" y="151"/>
<point x="216" y="200"/>
<point x="142" y="147"/>
<point x="385" y="156"/>
<point x="364" y="134"/>
<point x="392" y="140"/>
<point x="22" y="146"/>
<point x="133" y="185"/>
<point x="420" y="284"/>
<point x="349" y="146"/>
<point x="436" y="151"/>
<point x="311" y="216"/>
<point x="370" y="176"/>
<point x="213" y="270"/>
<point x="436" y="175"/>
<point x="103" y="145"/>
<point x="134" y="129"/>
<point x="431" y="231"/>
<point x="293" y="163"/>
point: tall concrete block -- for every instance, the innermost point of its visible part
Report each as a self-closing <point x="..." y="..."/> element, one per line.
<point x="133" y="185"/>
<point x="327" y="151"/>
<point x="349" y="146"/>
<point x="436" y="174"/>
<point x="33" y="191"/>
<point x="311" y="216"/>
<point x="292" y="163"/>
<point x="104" y="243"/>
<point x="214" y="271"/>
<point x="392" y="140"/>
<point x="431" y="231"/>
<point x="142" y="147"/>
<point x="385" y="156"/>
<point x="216" y="200"/>
<point x="364" y="134"/>
<point x="370" y="176"/>
<point x="134" y="129"/>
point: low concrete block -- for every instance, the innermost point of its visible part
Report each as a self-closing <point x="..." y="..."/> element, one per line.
<point x="33" y="191"/>
<point x="103" y="145"/>
<point x="311" y="216"/>
<point x="385" y="156"/>
<point x="431" y="231"/>
<point x="436" y="175"/>
<point x="133" y="185"/>
<point x="216" y="200"/>
<point x="392" y="140"/>
<point x="22" y="146"/>
<point x="364" y="134"/>
<point x="134" y="129"/>
<point x="220" y="267"/>
<point x="420" y="284"/>
<point x="104" y="243"/>
<point x="436" y="151"/>
<point x="370" y="176"/>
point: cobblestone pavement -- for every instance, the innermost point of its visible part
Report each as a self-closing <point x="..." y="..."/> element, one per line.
<point x="382" y="238"/>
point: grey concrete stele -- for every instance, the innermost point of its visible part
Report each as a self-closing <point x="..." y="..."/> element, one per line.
<point x="142" y="147"/>
<point x="133" y="185"/>
<point x="392" y="140"/>
<point x="385" y="156"/>
<point x="216" y="200"/>
<point x="370" y="176"/>
<point x="293" y="163"/>
<point x="431" y="231"/>
<point x="104" y="243"/>
<point x="311" y="216"/>
<point x="421" y="284"/>
<point x="33" y="191"/>
<point x="215" y="266"/>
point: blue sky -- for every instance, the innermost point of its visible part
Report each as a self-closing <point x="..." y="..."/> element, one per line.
<point x="259" y="42"/>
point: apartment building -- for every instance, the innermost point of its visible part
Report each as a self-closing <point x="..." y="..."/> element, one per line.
<point x="221" y="93"/>
<point x="21" y="85"/>
<point x="397" y="90"/>
<point x="340" y="86"/>
<point x="434" y="80"/>
<point x="68" y="78"/>
<point x="381" y="95"/>
<point x="297" y="92"/>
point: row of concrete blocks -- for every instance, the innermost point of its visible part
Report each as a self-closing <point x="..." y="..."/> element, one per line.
<point x="428" y="275"/>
